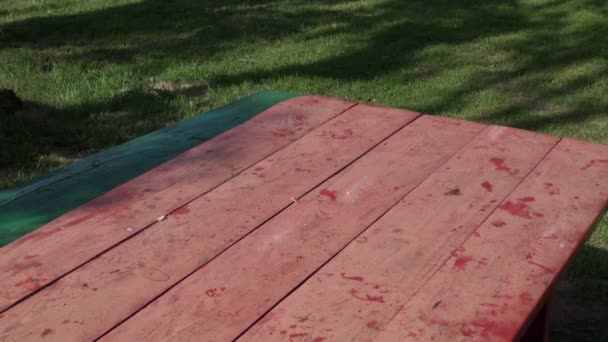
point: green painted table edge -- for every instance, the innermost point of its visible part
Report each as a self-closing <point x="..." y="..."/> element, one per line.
<point x="28" y="207"/>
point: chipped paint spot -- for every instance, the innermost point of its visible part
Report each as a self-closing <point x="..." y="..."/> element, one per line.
<point x="594" y="162"/>
<point x="283" y="132"/>
<point x="519" y="208"/>
<point x="453" y="192"/>
<point x="329" y="194"/>
<point x="346" y="134"/>
<point x="500" y="165"/>
<point x="297" y="335"/>
<point x="527" y="199"/>
<point x="543" y="267"/>
<point x="461" y="262"/>
<point x="355" y="278"/>
<point x="525" y="298"/>
<point x="19" y="267"/>
<point x="367" y="298"/>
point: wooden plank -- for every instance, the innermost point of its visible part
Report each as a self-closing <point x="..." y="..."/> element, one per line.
<point x="30" y="206"/>
<point x="223" y="298"/>
<point x="368" y="283"/>
<point x="126" y="278"/>
<point x="80" y="235"/>
<point x="498" y="279"/>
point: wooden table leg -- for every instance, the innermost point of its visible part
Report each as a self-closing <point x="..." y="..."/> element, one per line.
<point x="538" y="331"/>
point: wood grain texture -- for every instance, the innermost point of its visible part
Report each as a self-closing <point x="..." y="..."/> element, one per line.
<point x="226" y="296"/>
<point x="28" y="207"/>
<point x="369" y="282"/>
<point x="495" y="282"/>
<point x="132" y="274"/>
<point x="80" y="235"/>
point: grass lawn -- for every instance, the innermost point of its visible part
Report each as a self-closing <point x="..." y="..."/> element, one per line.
<point x="85" y="68"/>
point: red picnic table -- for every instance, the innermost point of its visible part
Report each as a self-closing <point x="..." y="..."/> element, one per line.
<point x="318" y="220"/>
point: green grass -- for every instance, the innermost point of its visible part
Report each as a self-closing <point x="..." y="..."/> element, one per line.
<point x="83" y="67"/>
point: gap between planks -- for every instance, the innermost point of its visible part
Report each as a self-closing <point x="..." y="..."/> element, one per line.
<point x="543" y="243"/>
<point x="481" y="224"/>
<point x="315" y="272"/>
<point x="398" y="119"/>
<point x="253" y="230"/>
<point x="11" y="254"/>
<point x="354" y="249"/>
<point x="410" y="186"/>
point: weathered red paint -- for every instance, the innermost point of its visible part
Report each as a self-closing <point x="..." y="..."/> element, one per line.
<point x="20" y="267"/>
<point x="461" y="296"/>
<point x="367" y="297"/>
<point x="347" y="133"/>
<point x="543" y="267"/>
<point x="487" y="185"/>
<point x="461" y="262"/>
<point x="520" y="209"/>
<point x="181" y="211"/>
<point x="101" y="223"/>
<point x="500" y="165"/>
<point x="329" y="194"/>
<point x="356" y="278"/>
<point x="593" y="163"/>
<point x="297" y="335"/>
<point x="527" y="199"/>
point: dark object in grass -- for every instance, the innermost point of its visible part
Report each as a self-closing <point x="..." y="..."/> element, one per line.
<point x="188" y="89"/>
<point x="9" y="102"/>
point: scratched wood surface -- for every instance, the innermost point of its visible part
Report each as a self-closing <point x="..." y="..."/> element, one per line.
<point x="135" y="272"/>
<point x="67" y="242"/>
<point x="366" y="285"/>
<point x="318" y="220"/>
<point x="529" y="238"/>
<point x="266" y="265"/>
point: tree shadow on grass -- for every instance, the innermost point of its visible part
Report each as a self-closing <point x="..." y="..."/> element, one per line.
<point x="64" y="133"/>
<point x="164" y="29"/>
<point x="399" y="42"/>
<point x="549" y="47"/>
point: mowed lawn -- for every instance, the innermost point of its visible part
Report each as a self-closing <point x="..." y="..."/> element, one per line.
<point x="84" y="69"/>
